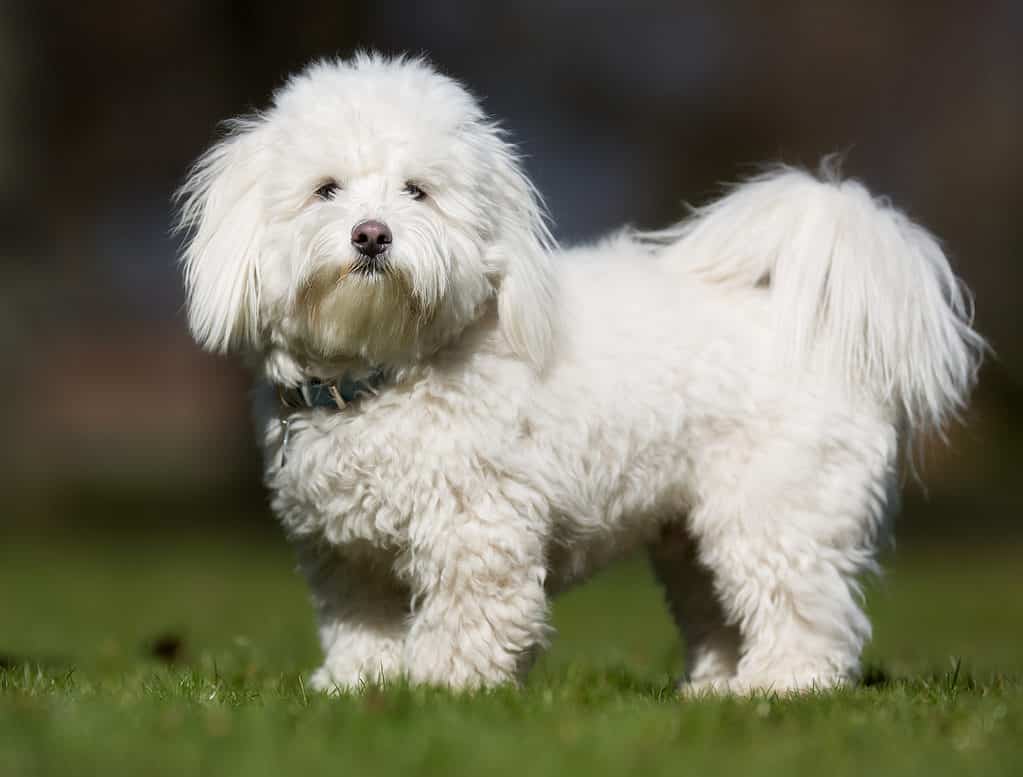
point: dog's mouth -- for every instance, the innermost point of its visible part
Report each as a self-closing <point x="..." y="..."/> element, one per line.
<point x="373" y="281"/>
<point x="365" y="307"/>
<point x="367" y="266"/>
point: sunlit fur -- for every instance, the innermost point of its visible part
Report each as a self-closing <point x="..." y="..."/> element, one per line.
<point x="733" y="393"/>
<point x="268" y="263"/>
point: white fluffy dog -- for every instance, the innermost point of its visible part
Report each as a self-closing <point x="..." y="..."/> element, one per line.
<point x="460" y="420"/>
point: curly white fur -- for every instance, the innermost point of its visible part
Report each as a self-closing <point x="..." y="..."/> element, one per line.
<point x="732" y="393"/>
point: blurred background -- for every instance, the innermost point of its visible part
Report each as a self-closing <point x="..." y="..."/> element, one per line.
<point x="110" y="415"/>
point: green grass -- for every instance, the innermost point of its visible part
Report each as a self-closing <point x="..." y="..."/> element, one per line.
<point x="81" y="692"/>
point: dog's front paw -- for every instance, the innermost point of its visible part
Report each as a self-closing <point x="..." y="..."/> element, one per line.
<point x="779" y="682"/>
<point x="458" y="676"/>
<point x="333" y="679"/>
<point x="441" y="662"/>
<point x="325" y="681"/>
<point x="789" y="683"/>
<point x="695" y="688"/>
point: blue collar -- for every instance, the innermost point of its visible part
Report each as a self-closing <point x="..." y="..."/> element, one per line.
<point x="333" y="394"/>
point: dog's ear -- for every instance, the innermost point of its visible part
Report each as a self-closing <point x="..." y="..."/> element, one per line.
<point x="221" y="214"/>
<point x="526" y="283"/>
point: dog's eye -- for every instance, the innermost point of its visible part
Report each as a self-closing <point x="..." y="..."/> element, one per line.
<point x="328" y="190"/>
<point x="414" y="191"/>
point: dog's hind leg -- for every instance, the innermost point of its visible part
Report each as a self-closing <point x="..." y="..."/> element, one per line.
<point x="712" y="644"/>
<point x="787" y="533"/>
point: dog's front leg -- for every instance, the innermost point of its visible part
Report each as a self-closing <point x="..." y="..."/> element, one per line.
<point x="480" y="609"/>
<point x="363" y="617"/>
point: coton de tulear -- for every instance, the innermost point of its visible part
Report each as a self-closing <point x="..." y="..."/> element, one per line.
<point x="460" y="419"/>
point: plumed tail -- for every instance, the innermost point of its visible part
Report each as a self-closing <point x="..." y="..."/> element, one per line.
<point x="855" y="285"/>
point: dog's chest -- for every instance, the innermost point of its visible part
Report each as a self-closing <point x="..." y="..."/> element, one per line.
<point x="341" y="483"/>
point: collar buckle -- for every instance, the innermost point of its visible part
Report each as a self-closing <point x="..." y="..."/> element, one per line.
<point x="334" y="394"/>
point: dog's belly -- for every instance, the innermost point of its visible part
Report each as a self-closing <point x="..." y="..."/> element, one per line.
<point x="606" y="506"/>
<point x="573" y="559"/>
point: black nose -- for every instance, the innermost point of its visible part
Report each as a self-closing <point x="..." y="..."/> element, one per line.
<point x="371" y="237"/>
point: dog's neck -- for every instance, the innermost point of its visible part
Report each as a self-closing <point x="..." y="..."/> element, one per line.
<point x="307" y="381"/>
<point x="292" y="368"/>
<point x="336" y="394"/>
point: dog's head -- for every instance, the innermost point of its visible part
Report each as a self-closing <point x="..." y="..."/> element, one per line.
<point x="370" y="213"/>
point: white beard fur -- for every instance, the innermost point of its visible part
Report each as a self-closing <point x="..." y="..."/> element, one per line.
<point x="733" y="394"/>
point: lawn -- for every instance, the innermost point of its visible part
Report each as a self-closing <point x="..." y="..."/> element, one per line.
<point x="181" y="652"/>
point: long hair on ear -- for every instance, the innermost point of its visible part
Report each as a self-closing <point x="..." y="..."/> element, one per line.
<point x="221" y="216"/>
<point x="527" y="285"/>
